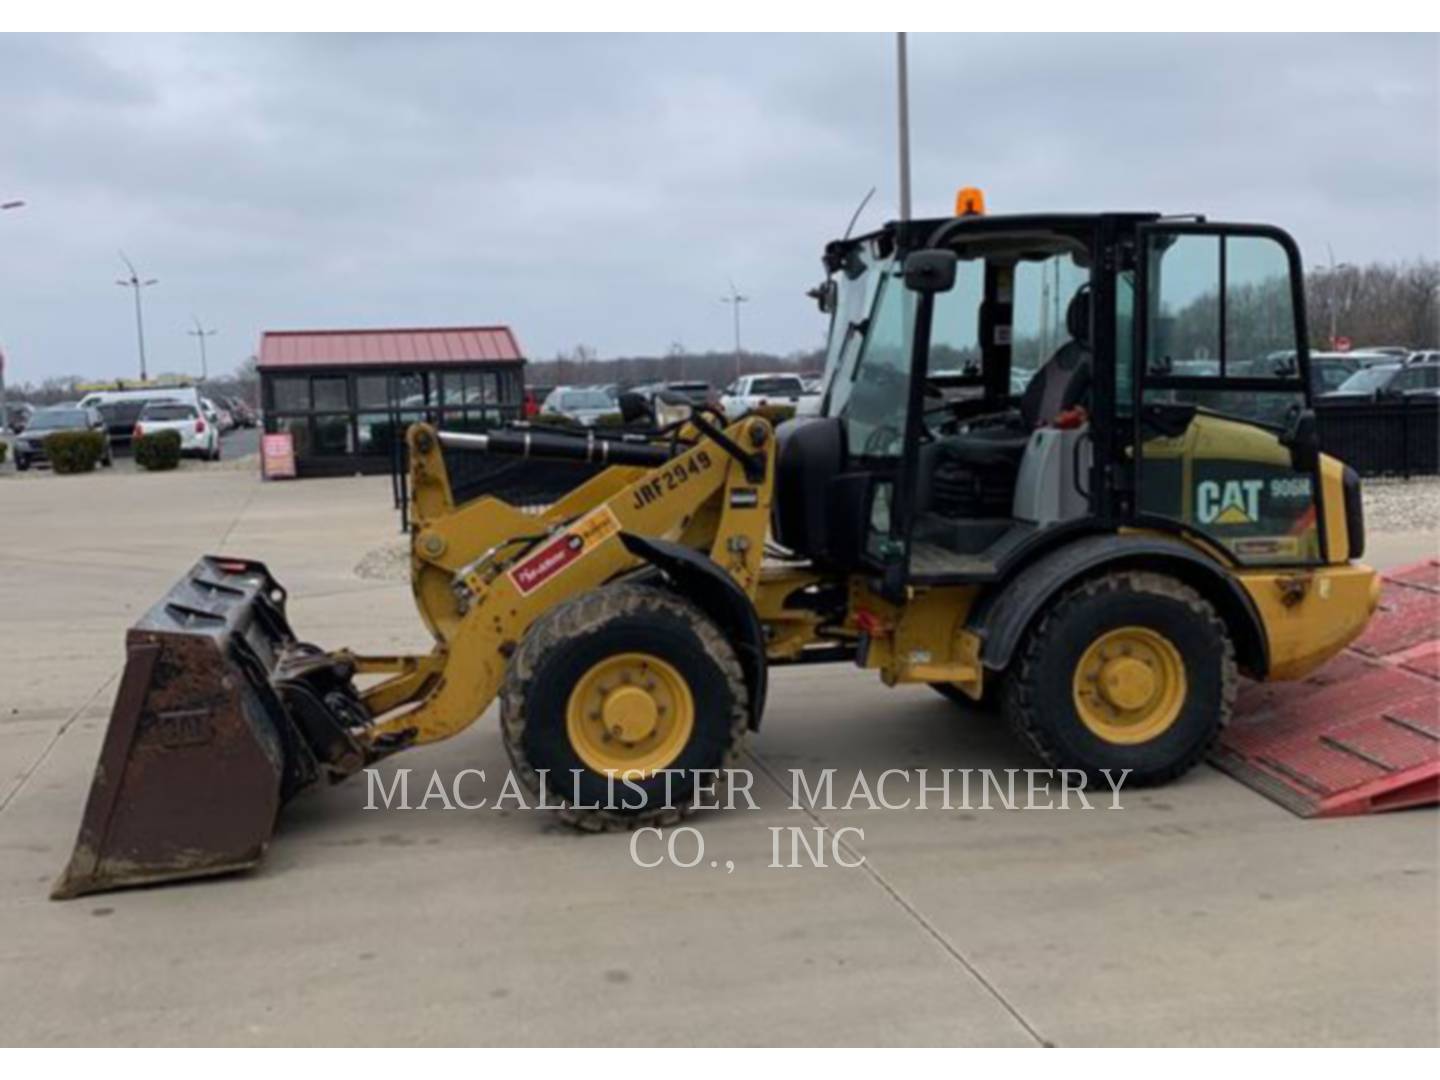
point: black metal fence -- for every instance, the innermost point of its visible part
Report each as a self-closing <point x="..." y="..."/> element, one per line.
<point x="1390" y="437"/>
<point x="521" y="482"/>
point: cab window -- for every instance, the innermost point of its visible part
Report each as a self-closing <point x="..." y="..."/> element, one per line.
<point x="874" y="411"/>
<point x="1219" y="384"/>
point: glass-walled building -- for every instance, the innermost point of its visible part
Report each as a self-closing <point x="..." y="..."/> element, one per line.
<point x="344" y="395"/>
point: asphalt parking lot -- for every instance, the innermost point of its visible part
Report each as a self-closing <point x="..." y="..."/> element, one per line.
<point x="1200" y="913"/>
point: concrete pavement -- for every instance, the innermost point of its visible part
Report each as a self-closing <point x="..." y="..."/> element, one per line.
<point x="1201" y="913"/>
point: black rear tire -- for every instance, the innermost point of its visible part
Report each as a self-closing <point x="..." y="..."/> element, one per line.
<point x="564" y="646"/>
<point x="1044" y="702"/>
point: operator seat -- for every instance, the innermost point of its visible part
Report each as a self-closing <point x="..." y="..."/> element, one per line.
<point x="1062" y="382"/>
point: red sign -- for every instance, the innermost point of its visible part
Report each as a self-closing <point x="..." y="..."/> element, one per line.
<point x="1340" y="344"/>
<point x="277" y="456"/>
<point x="555" y="555"/>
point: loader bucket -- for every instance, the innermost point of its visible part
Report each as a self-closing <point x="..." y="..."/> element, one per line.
<point x="206" y="738"/>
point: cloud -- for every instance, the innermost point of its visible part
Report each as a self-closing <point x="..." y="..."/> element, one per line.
<point x="603" y="190"/>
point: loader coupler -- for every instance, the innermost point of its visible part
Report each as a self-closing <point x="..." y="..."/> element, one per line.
<point x="221" y="716"/>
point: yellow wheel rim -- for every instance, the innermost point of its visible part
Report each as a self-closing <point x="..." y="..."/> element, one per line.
<point x="631" y="715"/>
<point x="1129" y="687"/>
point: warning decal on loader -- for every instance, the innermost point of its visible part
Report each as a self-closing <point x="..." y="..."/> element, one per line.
<point x="556" y="554"/>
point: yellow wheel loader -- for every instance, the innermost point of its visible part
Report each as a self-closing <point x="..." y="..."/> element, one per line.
<point x="1063" y="463"/>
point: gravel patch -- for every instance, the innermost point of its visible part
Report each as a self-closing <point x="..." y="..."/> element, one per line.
<point x="1401" y="505"/>
<point x="390" y="562"/>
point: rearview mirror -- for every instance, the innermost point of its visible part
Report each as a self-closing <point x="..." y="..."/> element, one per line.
<point x="1302" y="439"/>
<point x="930" y="271"/>
<point x="824" y="296"/>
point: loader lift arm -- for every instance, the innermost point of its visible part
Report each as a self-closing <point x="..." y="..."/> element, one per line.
<point x="484" y="572"/>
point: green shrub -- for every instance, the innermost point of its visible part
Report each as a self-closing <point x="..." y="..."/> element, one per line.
<point x="74" y="451"/>
<point x="159" y="450"/>
<point x="4" y="449"/>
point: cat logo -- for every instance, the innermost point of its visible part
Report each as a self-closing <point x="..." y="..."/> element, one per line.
<point x="1235" y="502"/>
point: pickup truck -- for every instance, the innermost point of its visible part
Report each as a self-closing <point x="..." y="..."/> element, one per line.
<point x="778" y="396"/>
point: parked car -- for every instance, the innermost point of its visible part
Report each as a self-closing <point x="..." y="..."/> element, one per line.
<point x="218" y="414"/>
<point x="694" y="391"/>
<point x="199" y="436"/>
<point x="1372" y="357"/>
<point x="583" y="404"/>
<point x="1328" y="372"/>
<point x="17" y="415"/>
<point x="30" y="445"/>
<point x="239" y="409"/>
<point x="765" y="391"/>
<point x="533" y="399"/>
<point x="122" y="408"/>
<point x="1390" y="381"/>
<point x="1424" y="356"/>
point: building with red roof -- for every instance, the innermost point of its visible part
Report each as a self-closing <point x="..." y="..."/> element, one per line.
<point x="345" y="395"/>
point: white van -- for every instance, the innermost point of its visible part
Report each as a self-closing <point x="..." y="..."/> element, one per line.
<point x="121" y="408"/>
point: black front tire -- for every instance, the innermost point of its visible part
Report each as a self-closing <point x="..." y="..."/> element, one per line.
<point x="570" y="640"/>
<point x="1041" y="699"/>
<point x="22" y="464"/>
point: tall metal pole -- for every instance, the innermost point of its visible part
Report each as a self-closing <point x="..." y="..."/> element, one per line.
<point x="735" y="300"/>
<point x="200" y="334"/>
<point x="13" y="204"/>
<point x="134" y="282"/>
<point x="140" y="330"/>
<point x="903" y="72"/>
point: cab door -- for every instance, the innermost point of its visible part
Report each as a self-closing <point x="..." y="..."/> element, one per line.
<point x="1222" y="396"/>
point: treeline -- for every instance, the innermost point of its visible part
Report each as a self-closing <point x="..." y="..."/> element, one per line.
<point x="581" y="367"/>
<point x="1376" y="304"/>
<point x="1380" y="304"/>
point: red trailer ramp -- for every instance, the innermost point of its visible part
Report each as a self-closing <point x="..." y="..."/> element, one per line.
<point x="1363" y="733"/>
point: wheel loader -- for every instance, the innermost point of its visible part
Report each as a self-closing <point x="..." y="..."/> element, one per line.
<point x="1065" y="465"/>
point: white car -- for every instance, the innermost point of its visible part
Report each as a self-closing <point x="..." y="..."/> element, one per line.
<point x="751" y="392"/>
<point x="199" y="434"/>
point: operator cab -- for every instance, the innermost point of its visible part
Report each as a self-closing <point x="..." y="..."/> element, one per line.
<point x="982" y="396"/>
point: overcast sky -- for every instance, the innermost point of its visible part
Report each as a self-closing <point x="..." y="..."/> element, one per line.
<point x="603" y="190"/>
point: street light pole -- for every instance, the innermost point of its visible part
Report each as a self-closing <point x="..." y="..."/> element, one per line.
<point x="903" y="76"/>
<point x="13" y="204"/>
<point x="735" y="300"/>
<point x="134" y="282"/>
<point x="200" y="334"/>
<point x="1333" y="307"/>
